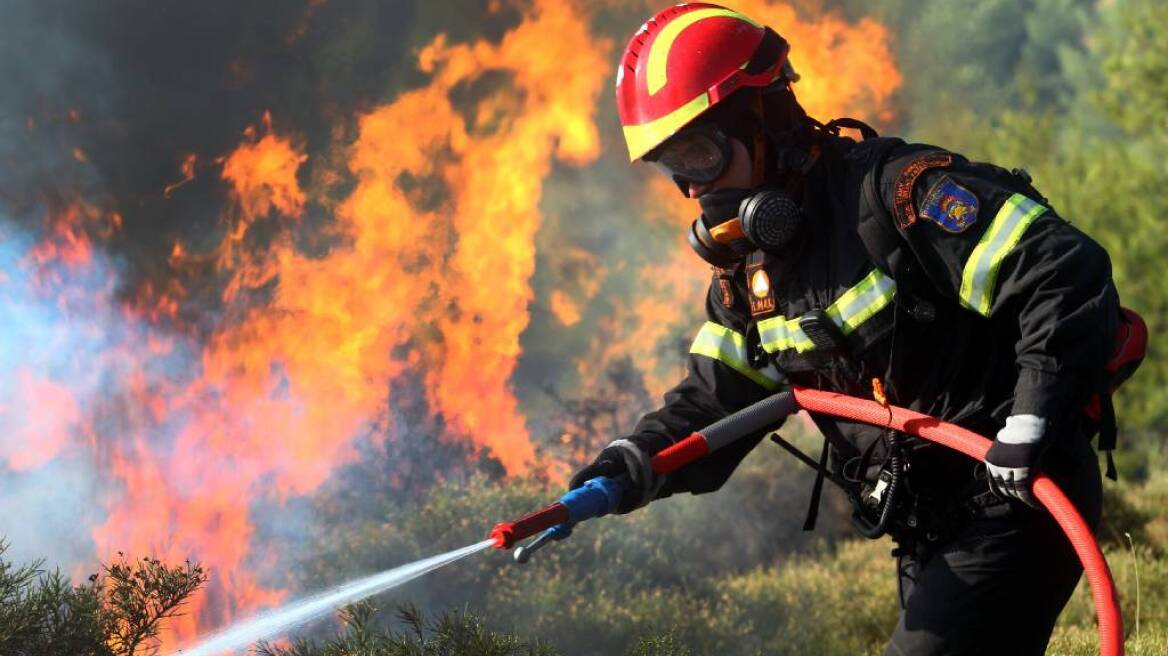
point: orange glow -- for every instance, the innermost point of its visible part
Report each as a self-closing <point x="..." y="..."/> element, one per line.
<point x="263" y="175"/>
<point x="417" y="290"/>
<point x="845" y="68"/>
<point x="577" y="275"/>
<point x="564" y="308"/>
<point x="67" y="240"/>
<point x="44" y="415"/>
<point x="187" y="169"/>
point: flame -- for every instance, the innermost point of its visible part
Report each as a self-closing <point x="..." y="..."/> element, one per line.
<point x="422" y="275"/>
<point x="41" y="434"/>
<point x="436" y="291"/>
<point x="566" y="310"/>
<point x="262" y="174"/>
<point x="187" y="169"/>
<point x="578" y="275"/>
<point x="845" y="68"/>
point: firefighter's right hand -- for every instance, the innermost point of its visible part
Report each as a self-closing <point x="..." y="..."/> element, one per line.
<point x="623" y="458"/>
<point x="1012" y="461"/>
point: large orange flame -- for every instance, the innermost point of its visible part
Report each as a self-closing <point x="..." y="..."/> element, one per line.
<point x="423" y="276"/>
<point x="434" y="290"/>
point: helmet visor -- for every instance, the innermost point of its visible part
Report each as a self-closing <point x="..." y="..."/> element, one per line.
<point x="700" y="154"/>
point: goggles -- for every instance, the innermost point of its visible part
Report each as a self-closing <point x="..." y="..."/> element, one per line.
<point x="698" y="154"/>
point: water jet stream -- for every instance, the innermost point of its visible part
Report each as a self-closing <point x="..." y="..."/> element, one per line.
<point x="278" y="620"/>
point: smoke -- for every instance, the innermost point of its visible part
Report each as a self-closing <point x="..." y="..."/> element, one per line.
<point x="247" y="247"/>
<point x="273" y="283"/>
<point x="69" y="355"/>
<point x="41" y="516"/>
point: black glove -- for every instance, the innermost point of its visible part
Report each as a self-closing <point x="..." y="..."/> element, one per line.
<point x="1012" y="460"/>
<point x="623" y="458"/>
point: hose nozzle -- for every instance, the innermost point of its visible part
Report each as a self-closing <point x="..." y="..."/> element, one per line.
<point x="559" y="532"/>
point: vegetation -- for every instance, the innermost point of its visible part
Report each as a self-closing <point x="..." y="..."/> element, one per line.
<point x="686" y="577"/>
<point x="453" y="633"/>
<point x="678" y="578"/>
<point x="115" y="613"/>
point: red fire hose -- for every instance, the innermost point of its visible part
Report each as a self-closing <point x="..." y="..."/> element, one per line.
<point x="975" y="446"/>
<point x="599" y="495"/>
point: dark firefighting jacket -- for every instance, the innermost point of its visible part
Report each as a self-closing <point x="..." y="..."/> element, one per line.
<point x="997" y="306"/>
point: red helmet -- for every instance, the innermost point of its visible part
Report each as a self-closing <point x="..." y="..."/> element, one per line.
<point x="685" y="60"/>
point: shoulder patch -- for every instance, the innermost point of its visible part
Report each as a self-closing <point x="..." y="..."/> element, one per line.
<point x="950" y="206"/>
<point x="905" y="213"/>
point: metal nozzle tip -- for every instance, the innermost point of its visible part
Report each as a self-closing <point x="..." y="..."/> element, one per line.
<point x="521" y="554"/>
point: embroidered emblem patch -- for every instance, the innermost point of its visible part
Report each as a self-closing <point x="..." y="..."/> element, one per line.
<point x="905" y="213"/>
<point x="762" y="295"/>
<point x="950" y="206"/>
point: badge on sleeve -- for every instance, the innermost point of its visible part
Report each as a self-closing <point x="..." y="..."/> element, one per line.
<point x="906" y="181"/>
<point x="950" y="206"/>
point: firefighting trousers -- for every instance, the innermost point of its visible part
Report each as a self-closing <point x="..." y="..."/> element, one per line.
<point x="998" y="586"/>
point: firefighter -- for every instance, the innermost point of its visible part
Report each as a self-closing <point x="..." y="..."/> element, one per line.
<point x="953" y="284"/>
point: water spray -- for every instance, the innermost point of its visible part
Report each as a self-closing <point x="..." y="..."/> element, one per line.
<point x="600" y="496"/>
<point x="278" y="621"/>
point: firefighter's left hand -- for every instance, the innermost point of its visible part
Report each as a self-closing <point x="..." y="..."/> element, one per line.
<point x="1012" y="460"/>
<point x="624" y="457"/>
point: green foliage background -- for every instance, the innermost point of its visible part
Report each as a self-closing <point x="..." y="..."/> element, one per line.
<point x="1076" y="93"/>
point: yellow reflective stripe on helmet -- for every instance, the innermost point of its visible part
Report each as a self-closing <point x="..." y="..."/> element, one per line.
<point x="655" y="68"/>
<point x="981" y="269"/>
<point x="849" y="312"/>
<point x="647" y="136"/>
<point x="729" y="348"/>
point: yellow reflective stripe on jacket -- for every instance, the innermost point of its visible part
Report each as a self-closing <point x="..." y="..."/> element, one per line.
<point x="849" y="311"/>
<point x="729" y="348"/>
<point x="862" y="301"/>
<point x="981" y="269"/>
<point x="778" y="334"/>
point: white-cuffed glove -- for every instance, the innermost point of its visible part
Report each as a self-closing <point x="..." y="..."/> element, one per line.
<point x="1012" y="459"/>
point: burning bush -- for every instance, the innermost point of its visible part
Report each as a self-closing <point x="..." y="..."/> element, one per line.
<point x="116" y="613"/>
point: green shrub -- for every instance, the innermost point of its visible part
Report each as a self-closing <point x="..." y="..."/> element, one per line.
<point x="116" y="613"/>
<point x="452" y="634"/>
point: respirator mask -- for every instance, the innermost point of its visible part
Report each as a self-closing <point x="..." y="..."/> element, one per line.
<point x="734" y="222"/>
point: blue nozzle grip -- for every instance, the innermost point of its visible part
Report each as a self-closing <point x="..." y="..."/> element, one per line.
<point x="595" y="498"/>
<point x="560" y="531"/>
